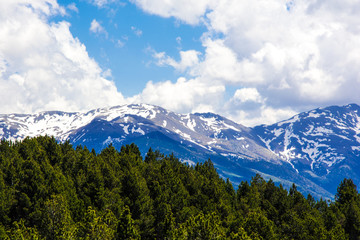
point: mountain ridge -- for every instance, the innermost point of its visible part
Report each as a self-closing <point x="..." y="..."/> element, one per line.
<point x="310" y="149"/>
<point x="321" y="143"/>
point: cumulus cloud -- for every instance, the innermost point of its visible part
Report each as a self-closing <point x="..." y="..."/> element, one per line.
<point x="278" y="58"/>
<point x="182" y="96"/>
<point x="248" y="95"/>
<point x="190" y="12"/>
<point x="282" y="56"/>
<point x="188" y="59"/>
<point x="43" y="67"/>
<point x="263" y="114"/>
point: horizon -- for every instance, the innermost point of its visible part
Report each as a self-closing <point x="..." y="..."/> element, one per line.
<point x="254" y="67"/>
<point x="129" y="104"/>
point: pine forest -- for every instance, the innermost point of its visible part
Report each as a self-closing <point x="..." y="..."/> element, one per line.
<point x="52" y="190"/>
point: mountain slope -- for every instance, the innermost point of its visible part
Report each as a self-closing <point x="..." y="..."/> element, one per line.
<point x="314" y="149"/>
<point x="323" y="144"/>
<point x="117" y="124"/>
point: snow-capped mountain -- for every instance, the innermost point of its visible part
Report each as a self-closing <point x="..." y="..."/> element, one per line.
<point x="323" y="144"/>
<point x="117" y="124"/>
<point x="314" y="149"/>
<point x="236" y="151"/>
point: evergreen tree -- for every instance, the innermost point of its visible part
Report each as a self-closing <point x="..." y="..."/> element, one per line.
<point x="126" y="228"/>
<point x="51" y="190"/>
<point x="348" y="201"/>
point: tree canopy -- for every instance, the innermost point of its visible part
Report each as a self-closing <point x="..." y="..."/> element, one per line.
<point x="51" y="190"/>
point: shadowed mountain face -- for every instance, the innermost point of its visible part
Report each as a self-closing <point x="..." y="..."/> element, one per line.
<point x="315" y="150"/>
<point x="323" y="145"/>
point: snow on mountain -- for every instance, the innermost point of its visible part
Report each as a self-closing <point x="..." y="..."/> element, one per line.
<point x="62" y="124"/>
<point x="314" y="149"/>
<point x="208" y="131"/>
<point x="323" y="143"/>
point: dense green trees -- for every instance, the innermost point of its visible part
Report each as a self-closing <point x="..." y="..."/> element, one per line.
<point x="50" y="190"/>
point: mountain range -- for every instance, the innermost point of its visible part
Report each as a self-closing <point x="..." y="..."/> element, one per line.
<point x="315" y="149"/>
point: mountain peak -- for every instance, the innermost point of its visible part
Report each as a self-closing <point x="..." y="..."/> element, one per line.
<point x="315" y="149"/>
<point x="323" y="144"/>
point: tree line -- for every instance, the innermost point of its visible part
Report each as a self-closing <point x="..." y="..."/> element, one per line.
<point x="51" y="190"/>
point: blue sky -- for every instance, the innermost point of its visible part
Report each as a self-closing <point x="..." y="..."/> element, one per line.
<point x="251" y="61"/>
<point x="128" y="40"/>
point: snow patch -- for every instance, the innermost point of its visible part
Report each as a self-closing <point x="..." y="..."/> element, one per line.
<point x="355" y="148"/>
<point x="312" y="174"/>
<point x="211" y="142"/>
<point x="313" y="114"/>
<point x="191" y="124"/>
<point x="310" y="130"/>
<point x="111" y="140"/>
<point x="231" y="127"/>
<point x="184" y="135"/>
<point x="321" y="130"/>
<point x="278" y="132"/>
<point x="291" y="120"/>
<point x="139" y="130"/>
<point x="107" y="141"/>
<point x="211" y="123"/>
<point x="126" y="129"/>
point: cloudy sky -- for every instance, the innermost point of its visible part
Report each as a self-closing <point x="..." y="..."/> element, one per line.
<point x="252" y="61"/>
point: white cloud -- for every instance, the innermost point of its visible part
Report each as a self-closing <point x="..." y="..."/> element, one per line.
<point x="72" y="7"/>
<point x="106" y="3"/>
<point x="221" y="63"/>
<point x="96" y="28"/>
<point x="281" y="56"/>
<point x="248" y="95"/>
<point x="101" y="3"/>
<point x="187" y="59"/>
<point x="285" y="56"/>
<point x="136" y="31"/>
<point x="187" y="11"/>
<point x="262" y="115"/>
<point x="43" y="67"/>
<point x="182" y="96"/>
<point x="119" y="43"/>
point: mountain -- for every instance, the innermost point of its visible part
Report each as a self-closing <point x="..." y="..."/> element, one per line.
<point x="314" y="150"/>
<point x="322" y="145"/>
<point x="97" y="128"/>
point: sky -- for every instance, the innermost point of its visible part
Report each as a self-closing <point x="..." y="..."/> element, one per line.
<point x="255" y="62"/>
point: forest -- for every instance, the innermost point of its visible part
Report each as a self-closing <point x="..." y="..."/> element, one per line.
<point x="52" y="190"/>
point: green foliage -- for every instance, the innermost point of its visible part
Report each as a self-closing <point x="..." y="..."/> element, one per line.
<point x="57" y="221"/>
<point x="21" y="232"/>
<point x="126" y="228"/>
<point x="49" y="190"/>
<point x="258" y="226"/>
<point x="201" y="227"/>
<point x="95" y="226"/>
<point x="348" y="202"/>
